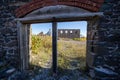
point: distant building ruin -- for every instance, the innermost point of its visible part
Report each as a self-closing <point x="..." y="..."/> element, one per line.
<point x="69" y="33"/>
<point x="49" y="33"/>
<point x="41" y="34"/>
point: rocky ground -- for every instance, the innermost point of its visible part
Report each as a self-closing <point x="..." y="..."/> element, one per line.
<point x="37" y="73"/>
<point x="45" y="74"/>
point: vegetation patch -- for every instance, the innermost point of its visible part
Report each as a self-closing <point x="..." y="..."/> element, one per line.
<point x="71" y="54"/>
<point x="80" y="39"/>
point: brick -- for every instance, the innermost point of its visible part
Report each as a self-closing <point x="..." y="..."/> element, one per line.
<point x="88" y="2"/>
<point x="98" y="1"/>
<point x="91" y="5"/>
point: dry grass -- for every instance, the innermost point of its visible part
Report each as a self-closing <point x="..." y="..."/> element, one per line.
<point x="71" y="54"/>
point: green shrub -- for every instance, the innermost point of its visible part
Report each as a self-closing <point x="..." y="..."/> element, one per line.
<point x="41" y="43"/>
<point x="36" y="44"/>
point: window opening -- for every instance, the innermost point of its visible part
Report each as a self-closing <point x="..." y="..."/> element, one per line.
<point x="61" y="32"/>
<point x="71" y="32"/>
<point x="66" y="32"/>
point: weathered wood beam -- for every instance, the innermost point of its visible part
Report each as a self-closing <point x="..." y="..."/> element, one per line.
<point x="59" y="17"/>
<point x="54" y="46"/>
<point x="23" y="42"/>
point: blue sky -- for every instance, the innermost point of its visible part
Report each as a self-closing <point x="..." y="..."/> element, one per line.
<point x="44" y="27"/>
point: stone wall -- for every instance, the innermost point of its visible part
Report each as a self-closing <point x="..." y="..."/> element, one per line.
<point x="9" y="49"/>
<point x="9" y="57"/>
<point x="106" y="62"/>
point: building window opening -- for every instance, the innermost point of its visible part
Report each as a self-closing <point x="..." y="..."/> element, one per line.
<point x="66" y="32"/>
<point x="61" y="32"/>
<point x="71" y="32"/>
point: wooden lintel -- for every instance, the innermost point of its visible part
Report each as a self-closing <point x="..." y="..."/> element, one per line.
<point x="59" y="17"/>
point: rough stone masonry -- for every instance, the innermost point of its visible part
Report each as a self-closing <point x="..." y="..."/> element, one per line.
<point x="107" y="48"/>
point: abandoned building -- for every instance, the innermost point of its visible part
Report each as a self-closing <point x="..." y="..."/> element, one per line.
<point x="40" y="34"/>
<point x="69" y="33"/>
<point x="45" y="34"/>
<point x="49" y="33"/>
<point x="103" y="31"/>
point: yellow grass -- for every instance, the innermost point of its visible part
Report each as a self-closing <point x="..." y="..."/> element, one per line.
<point x="71" y="54"/>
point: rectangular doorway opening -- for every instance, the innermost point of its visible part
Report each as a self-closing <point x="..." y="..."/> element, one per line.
<point x="41" y="47"/>
<point x="72" y="43"/>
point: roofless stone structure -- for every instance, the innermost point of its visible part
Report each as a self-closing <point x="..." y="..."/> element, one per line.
<point x="103" y="41"/>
